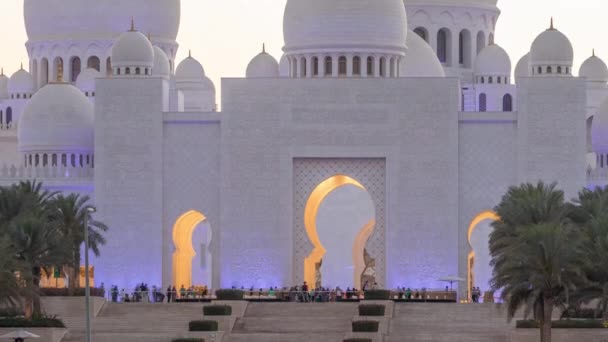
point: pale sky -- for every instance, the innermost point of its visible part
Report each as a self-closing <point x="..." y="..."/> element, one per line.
<point x="225" y="34"/>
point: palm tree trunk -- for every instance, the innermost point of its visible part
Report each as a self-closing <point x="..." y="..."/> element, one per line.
<point x="75" y="270"/>
<point x="547" y="319"/>
<point x="36" y="306"/>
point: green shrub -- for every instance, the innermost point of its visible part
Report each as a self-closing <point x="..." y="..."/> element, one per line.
<point x="366" y="326"/>
<point x="36" y="322"/>
<point x="217" y="310"/>
<point x="203" y="326"/>
<point x="10" y="313"/>
<point x="564" y="324"/>
<point x="229" y="294"/>
<point x="358" y="340"/>
<point x="187" y="339"/>
<point x="371" y="310"/>
<point x="581" y="313"/>
<point x="377" y="295"/>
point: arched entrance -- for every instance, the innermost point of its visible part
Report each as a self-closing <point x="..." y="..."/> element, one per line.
<point x="183" y="257"/>
<point x="478" y="260"/>
<point x="314" y="261"/>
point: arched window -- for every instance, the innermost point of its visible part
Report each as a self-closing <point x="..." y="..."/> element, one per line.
<point x="567" y="70"/>
<point x="18" y="96"/>
<point x="294" y="67"/>
<point x="507" y="103"/>
<point x="9" y="116"/>
<point x="328" y="66"/>
<point x="80" y="160"/>
<point x="482" y="102"/>
<point x="1" y="117"/>
<point x="64" y="160"/>
<point x="442" y="45"/>
<point x="37" y="159"/>
<point x="559" y="69"/>
<point x="94" y="63"/>
<point x="422" y="32"/>
<point x="540" y="71"/>
<point x="109" y="66"/>
<point x="490" y="80"/>
<point x="499" y="80"/>
<point x="464" y="48"/>
<point x="73" y="160"/>
<point x="491" y="39"/>
<point x="342" y="66"/>
<point x="370" y="66"/>
<point x="549" y="70"/>
<point x="44" y="72"/>
<point x="54" y="160"/>
<point x="30" y="160"/>
<point x="481" y="41"/>
<point x="127" y="71"/>
<point x="75" y="67"/>
<point x="137" y="71"/>
<point x="483" y="80"/>
<point x="382" y="67"/>
<point x="303" y="67"/>
<point x="58" y="67"/>
<point x="315" y="66"/>
<point x="117" y="71"/>
<point x="356" y="65"/>
<point x="45" y="159"/>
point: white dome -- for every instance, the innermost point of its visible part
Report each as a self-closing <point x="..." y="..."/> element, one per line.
<point x="99" y="19"/>
<point x="345" y="24"/>
<point x="263" y="66"/>
<point x="3" y="86"/>
<point x="551" y="48"/>
<point x="161" y="63"/>
<point x="57" y="118"/>
<point x="189" y="68"/>
<point x="21" y="82"/>
<point x="132" y="49"/>
<point x="493" y="60"/>
<point x="522" y="69"/>
<point x="420" y="59"/>
<point x="86" y="80"/>
<point x="594" y="69"/>
<point x="599" y="128"/>
<point x="284" y="66"/>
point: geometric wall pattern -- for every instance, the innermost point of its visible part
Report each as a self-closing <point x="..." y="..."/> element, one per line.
<point x="309" y="173"/>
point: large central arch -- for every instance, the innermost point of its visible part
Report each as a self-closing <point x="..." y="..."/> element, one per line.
<point x="184" y="251"/>
<point x="485" y="215"/>
<point x="310" y="216"/>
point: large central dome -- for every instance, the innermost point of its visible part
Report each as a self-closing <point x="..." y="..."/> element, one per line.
<point x="99" y="19"/>
<point x="345" y="24"/>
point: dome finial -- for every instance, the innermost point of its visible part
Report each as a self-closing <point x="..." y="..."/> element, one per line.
<point x="149" y="37"/>
<point x="21" y="66"/>
<point x="593" y="52"/>
<point x="1" y="71"/>
<point x="189" y="53"/>
<point x="552" y="28"/>
<point x="263" y="47"/>
<point x="132" y="25"/>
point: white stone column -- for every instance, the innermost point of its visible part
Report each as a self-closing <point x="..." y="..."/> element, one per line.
<point x="66" y="69"/>
<point x="309" y="69"/>
<point x="377" y="66"/>
<point x="364" y="65"/>
<point x="300" y="71"/>
<point x="334" y="65"/>
<point x="103" y="67"/>
<point x="321" y="60"/>
<point x="349" y="65"/>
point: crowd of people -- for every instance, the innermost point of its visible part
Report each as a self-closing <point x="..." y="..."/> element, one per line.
<point x="144" y="294"/>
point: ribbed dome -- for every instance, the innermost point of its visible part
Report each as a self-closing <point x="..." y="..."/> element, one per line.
<point x="551" y="48"/>
<point x="493" y="60"/>
<point x="21" y="82"/>
<point x="189" y="68"/>
<point x="336" y="24"/>
<point x="599" y="129"/>
<point x="420" y="60"/>
<point x="263" y="66"/>
<point x="86" y="80"/>
<point x="99" y="19"/>
<point x="132" y="49"/>
<point x="595" y="70"/>
<point x="522" y="69"/>
<point x="3" y="86"/>
<point x="161" y="63"/>
<point x="57" y="118"/>
<point x="284" y="66"/>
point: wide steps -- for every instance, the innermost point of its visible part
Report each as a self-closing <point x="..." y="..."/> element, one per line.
<point x="274" y="337"/>
<point x="317" y="310"/>
<point x="292" y="325"/>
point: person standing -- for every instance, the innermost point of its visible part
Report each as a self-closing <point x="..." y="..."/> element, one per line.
<point x="169" y="294"/>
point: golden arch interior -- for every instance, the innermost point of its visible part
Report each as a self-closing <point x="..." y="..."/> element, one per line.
<point x="184" y="251"/>
<point x="486" y="215"/>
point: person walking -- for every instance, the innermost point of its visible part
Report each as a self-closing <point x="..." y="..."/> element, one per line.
<point x="169" y="294"/>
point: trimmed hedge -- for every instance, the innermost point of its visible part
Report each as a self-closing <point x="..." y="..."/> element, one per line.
<point x="582" y="313"/>
<point x="358" y="340"/>
<point x="372" y="310"/>
<point x="10" y="313"/>
<point x="187" y="339"/>
<point x="42" y="322"/>
<point x="203" y="326"/>
<point x="564" y="324"/>
<point x="229" y="294"/>
<point x="377" y="295"/>
<point x="63" y="292"/>
<point x="217" y="310"/>
<point x="366" y="326"/>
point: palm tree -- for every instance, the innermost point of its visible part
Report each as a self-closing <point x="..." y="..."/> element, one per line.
<point x="536" y="252"/>
<point x="10" y="289"/>
<point x="71" y="212"/>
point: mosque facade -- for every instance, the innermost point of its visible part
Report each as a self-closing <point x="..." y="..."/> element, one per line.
<point x="371" y="151"/>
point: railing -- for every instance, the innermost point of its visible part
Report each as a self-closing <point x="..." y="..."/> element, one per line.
<point x="597" y="174"/>
<point x="13" y="172"/>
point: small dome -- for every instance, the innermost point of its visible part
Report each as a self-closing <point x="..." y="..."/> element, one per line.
<point x="345" y="24"/>
<point x="420" y="59"/>
<point x="161" y="63"/>
<point x="522" y="69"/>
<point x="132" y="49"/>
<point x="263" y="66"/>
<point x="599" y="128"/>
<point x="57" y="118"/>
<point x="21" y="82"/>
<point x="551" y="48"/>
<point x="189" y="68"/>
<point x="3" y="86"/>
<point x="86" y="80"/>
<point x="594" y="69"/>
<point x="493" y="60"/>
<point x="284" y="66"/>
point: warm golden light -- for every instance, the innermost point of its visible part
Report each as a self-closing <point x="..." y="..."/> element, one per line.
<point x="310" y="223"/>
<point x="184" y="251"/>
<point x="486" y="215"/>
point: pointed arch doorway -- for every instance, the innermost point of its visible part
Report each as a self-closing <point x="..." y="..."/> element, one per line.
<point x="187" y="270"/>
<point x="478" y="262"/>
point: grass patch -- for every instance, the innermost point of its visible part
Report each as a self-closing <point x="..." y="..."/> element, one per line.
<point x="229" y="294"/>
<point x="217" y="310"/>
<point x="372" y="310"/>
<point x="564" y="324"/>
<point x="203" y="326"/>
<point x="366" y="326"/>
